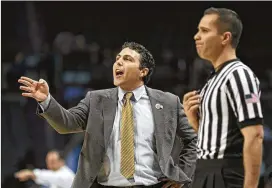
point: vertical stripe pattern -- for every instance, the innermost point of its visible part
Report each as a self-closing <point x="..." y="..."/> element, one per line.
<point x="230" y="100"/>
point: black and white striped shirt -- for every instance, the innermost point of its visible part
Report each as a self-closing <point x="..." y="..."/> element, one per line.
<point x="230" y="100"/>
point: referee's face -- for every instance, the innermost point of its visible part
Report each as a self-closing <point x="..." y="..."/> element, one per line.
<point x="207" y="39"/>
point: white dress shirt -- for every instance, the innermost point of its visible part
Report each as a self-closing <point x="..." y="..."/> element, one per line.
<point x="62" y="178"/>
<point x="147" y="170"/>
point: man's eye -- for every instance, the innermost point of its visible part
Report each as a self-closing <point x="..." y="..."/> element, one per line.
<point x="127" y="58"/>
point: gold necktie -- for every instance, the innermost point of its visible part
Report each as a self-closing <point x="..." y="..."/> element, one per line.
<point x="127" y="138"/>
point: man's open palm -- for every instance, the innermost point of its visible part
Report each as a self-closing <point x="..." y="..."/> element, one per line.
<point x="37" y="90"/>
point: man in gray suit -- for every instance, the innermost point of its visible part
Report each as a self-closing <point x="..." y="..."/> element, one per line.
<point x="135" y="136"/>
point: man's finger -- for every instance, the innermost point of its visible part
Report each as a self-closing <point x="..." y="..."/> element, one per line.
<point x="195" y="97"/>
<point x="24" y="88"/>
<point x="188" y="104"/>
<point x="179" y="185"/>
<point x="194" y="107"/>
<point x="175" y="185"/>
<point x="168" y="184"/>
<point x="41" y="81"/>
<point x="27" y="79"/>
<point x="192" y="103"/>
<point x="23" y="178"/>
<point x="27" y="83"/>
<point x="27" y="95"/>
<point x="188" y="95"/>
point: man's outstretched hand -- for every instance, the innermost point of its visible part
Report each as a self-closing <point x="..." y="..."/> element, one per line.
<point x="24" y="175"/>
<point x="38" y="90"/>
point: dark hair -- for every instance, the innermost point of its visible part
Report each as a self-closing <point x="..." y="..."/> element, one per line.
<point x="60" y="153"/>
<point x="228" y="20"/>
<point x="146" y="58"/>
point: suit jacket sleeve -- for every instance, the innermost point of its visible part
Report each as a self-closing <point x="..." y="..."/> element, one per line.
<point x="188" y="136"/>
<point x="67" y="121"/>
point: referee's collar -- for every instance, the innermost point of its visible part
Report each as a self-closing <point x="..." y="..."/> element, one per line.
<point x="222" y="66"/>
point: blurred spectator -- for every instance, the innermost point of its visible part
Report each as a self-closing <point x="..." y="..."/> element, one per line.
<point x="14" y="146"/>
<point x="268" y="178"/>
<point x="167" y="56"/>
<point x="17" y="69"/>
<point x="58" y="174"/>
<point x="80" y="43"/>
<point x="267" y="157"/>
<point x="94" y="53"/>
<point x="108" y="60"/>
<point x="199" y="73"/>
<point x="182" y="68"/>
<point x="72" y="150"/>
<point x="63" y="42"/>
<point x="47" y="66"/>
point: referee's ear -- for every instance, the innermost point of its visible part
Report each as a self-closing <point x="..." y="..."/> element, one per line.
<point x="227" y="37"/>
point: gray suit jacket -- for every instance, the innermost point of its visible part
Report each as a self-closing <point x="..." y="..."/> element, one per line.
<point x="95" y="115"/>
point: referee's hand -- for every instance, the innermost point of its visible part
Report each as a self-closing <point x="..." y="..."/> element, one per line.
<point x="191" y="101"/>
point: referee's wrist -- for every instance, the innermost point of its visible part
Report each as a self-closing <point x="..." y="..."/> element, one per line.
<point x="194" y="124"/>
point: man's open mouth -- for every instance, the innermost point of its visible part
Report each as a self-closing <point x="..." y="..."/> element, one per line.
<point x="119" y="72"/>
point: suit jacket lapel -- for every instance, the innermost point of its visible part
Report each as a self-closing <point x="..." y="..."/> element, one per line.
<point x="110" y="103"/>
<point x="158" y="115"/>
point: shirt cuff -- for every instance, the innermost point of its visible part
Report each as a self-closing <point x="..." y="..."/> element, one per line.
<point x="37" y="180"/>
<point x="36" y="171"/>
<point x="250" y="122"/>
<point x="44" y="104"/>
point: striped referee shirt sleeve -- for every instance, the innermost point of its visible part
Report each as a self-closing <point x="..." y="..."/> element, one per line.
<point x="243" y="93"/>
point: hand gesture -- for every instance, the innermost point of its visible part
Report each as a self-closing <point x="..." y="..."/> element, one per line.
<point x="191" y="103"/>
<point x="34" y="89"/>
<point x="24" y="175"/>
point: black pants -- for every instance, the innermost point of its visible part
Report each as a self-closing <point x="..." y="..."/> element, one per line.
<point x="219" y="173"/>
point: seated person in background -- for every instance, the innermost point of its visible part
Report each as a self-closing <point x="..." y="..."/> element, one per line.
<point x="58" y="174"/>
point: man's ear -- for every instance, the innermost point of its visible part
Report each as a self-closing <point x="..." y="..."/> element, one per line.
<point x="144" y="72"/>
<point x="227" y="37"/>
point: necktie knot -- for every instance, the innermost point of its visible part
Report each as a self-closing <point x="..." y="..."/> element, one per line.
<point x="128" y="95"/>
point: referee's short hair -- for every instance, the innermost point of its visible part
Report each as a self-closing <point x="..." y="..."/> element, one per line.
<point x="228" y="20"/>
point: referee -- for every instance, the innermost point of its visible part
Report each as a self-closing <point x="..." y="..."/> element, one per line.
<point x="226" y="112"/>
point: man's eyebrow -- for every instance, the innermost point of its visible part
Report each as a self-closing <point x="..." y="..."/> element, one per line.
<point x="202" y="27"/>
<point x="126" y="55"/>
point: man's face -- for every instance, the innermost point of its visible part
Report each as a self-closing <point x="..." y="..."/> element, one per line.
<point x="208" y="40"/>
<point x="126" y="69"/>
<point x="53" y="161"/>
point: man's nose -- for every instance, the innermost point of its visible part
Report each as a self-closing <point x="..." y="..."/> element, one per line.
<point x="119" y="62"/>
<point x="196" y="37"/>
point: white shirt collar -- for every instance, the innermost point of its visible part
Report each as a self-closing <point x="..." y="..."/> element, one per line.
<point x="137" y="93"/>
